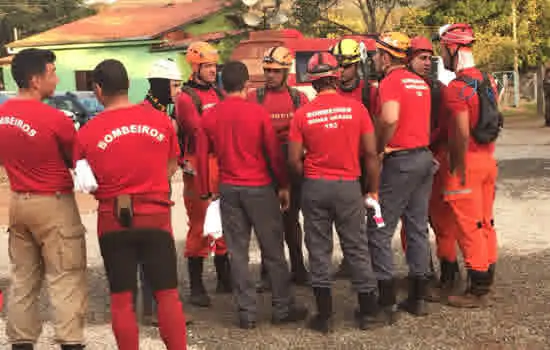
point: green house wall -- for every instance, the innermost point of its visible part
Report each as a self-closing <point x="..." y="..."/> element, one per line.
<point x="136" y="58"/>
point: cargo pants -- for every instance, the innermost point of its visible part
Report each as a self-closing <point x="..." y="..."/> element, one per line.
<point x="242" y="209"/>
<point x="405" y="189"/>
<point x="46" y="242"/>
<point x="328" y="202"/>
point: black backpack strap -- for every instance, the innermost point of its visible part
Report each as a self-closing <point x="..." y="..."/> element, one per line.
<point x="194" y="97"/>
<point x="365" y="95"/>
<point x="260" y="95"/>
<point x="295" y="96"/>
<point x="219" y="93"/>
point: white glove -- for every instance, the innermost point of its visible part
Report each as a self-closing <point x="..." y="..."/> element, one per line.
<point x="373" y="203"/>
<point x="84" y="178"/>
<point x="213" y="221"/>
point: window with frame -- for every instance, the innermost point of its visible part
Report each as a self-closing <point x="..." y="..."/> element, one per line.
<point x="83" y="80"/>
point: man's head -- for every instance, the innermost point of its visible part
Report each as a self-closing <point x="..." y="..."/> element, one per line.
<point x="34" y="70"/>
<point x="348" y="54"/>
<point x="235" y="78"/>
<point x="456" y="40"/>
<point x="391" y="50"/>
<point x="110" y="79"/>
<point x="420" y="54"/>
<point x="164" y="79"/>
<point x="323" y="71"/>
<point x="203" y="59"/>
<point x="276" y="63"/>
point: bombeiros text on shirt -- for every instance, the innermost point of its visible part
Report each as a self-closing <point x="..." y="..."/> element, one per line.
<point x="21" y="124"/>
<point x="127" y="130"/>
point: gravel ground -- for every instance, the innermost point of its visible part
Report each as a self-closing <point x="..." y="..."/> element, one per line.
<point x="518" y="319"/>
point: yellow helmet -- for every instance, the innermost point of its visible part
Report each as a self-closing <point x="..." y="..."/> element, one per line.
<point x="347" y="51"/>
<point x="277" y="57"/>
<point x="394" y="43"/>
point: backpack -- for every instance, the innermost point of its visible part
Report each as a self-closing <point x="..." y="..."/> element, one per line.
<point x="490" y="120"/>
<point x="198" y="104"/>
<point x="365" y="95"/>
<point x="294" y="95"/>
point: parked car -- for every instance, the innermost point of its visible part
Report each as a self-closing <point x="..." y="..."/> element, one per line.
<point x="80" y="106"/>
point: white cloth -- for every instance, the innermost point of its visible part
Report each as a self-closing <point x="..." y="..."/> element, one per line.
<point x="213" y="221"/>
<point x="378" y="219"/>
<point x="84" y="178"/>
<point x="445" y="76"/>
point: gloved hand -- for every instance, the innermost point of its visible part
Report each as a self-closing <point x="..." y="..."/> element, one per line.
<point x="84" y="178"/>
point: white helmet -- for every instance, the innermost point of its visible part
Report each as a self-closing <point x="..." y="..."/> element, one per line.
<point x="164" y="69"/>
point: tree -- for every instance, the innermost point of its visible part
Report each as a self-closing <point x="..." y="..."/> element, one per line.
<point x="314" y="16"/>
<point x="35" y="16"/>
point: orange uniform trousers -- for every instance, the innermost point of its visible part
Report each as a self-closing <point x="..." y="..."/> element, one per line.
<point x="197" y="245"/>
<point x="468" y="215"/>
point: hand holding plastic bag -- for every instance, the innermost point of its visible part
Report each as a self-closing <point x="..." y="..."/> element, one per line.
<point x="213" y="224"/>
<point x="84" y="178"/>
<point x="372" y="203"/>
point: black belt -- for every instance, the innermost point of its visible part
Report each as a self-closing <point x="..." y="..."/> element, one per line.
<point x="406" y="152"/>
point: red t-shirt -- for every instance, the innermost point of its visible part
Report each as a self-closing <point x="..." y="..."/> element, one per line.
<point x="187" y="116"/>
<point x="458" y="97"/>
<point x="281" y="108"/>
<point x="242" y="137"/>
<point x="36" y="143"/>
<point x="330" y="128"/>
<point x="357" y="94"/>
<point x="413" y="95"/>
<point x="128" y="150"/>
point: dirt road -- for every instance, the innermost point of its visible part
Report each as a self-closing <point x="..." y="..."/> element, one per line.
<point x="520" y="318"/>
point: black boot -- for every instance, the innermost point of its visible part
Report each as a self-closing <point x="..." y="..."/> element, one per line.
<point x="24" y="346"/>
<point x="476" y="295"/>
<point x="387" y="301"/>
<point x="440" y="290"/>
<point x="198" y="297"/>
<point x="223" y="272"/>
<point x="72" y="347"/>
<point x="321" y="322"/>
<point x="415" y="303"/>
<point x="370" y="314"/>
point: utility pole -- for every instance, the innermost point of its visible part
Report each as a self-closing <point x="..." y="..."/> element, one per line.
<point x="516" y="59"/>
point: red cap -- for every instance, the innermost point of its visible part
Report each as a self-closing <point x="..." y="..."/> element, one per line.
<point x="420" y="43"/>
<point x="322" y="65"/>
<point x="457" y="34"/>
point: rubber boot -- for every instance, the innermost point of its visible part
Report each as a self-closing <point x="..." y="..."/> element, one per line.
<point x="415" y="303"/>
<point x="72" y="347"/>
<point x="343" y="271"/>
<point x="223" y="272"/>
<point x="322" y="321"/>
<point x="296" y="313"/>
<point x="369" y="315"/>
<point x="293" y="239"/>
<point x="476" y="295"/>
<point x="198" y="296"/>
<point x="264" y="285"/>
<point x="25" y="346"/>
<point x="438" y="291"/>
<point x="387" y="301"/>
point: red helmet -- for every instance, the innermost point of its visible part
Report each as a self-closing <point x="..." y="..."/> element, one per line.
<point x="322" y="65"/>
<point x="457" y="34"/>
<point x="420" y="43"/>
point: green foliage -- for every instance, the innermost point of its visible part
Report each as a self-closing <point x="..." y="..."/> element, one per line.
<point x="31" y="17"/>
<point x="492" y="21"/>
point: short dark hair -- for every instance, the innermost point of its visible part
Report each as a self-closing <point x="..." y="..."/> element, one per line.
<point x="112" y="77"/>
<point x="29" y="63"/>
<point x="325" y="83"/>
<point x="234" y="76"/>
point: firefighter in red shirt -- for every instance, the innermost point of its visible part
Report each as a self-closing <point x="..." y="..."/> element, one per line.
<point x="471" y="169"/>
<point x="248" y="198"/>
<point x="46" y="236"/>
<point x="348" y="54"/>
<point x="407" y="172"/>
<point x="198" y="95"/>
<point x="281" y="101"/>
<point x="331" y="190"/>
<point x="134" y="212"/>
